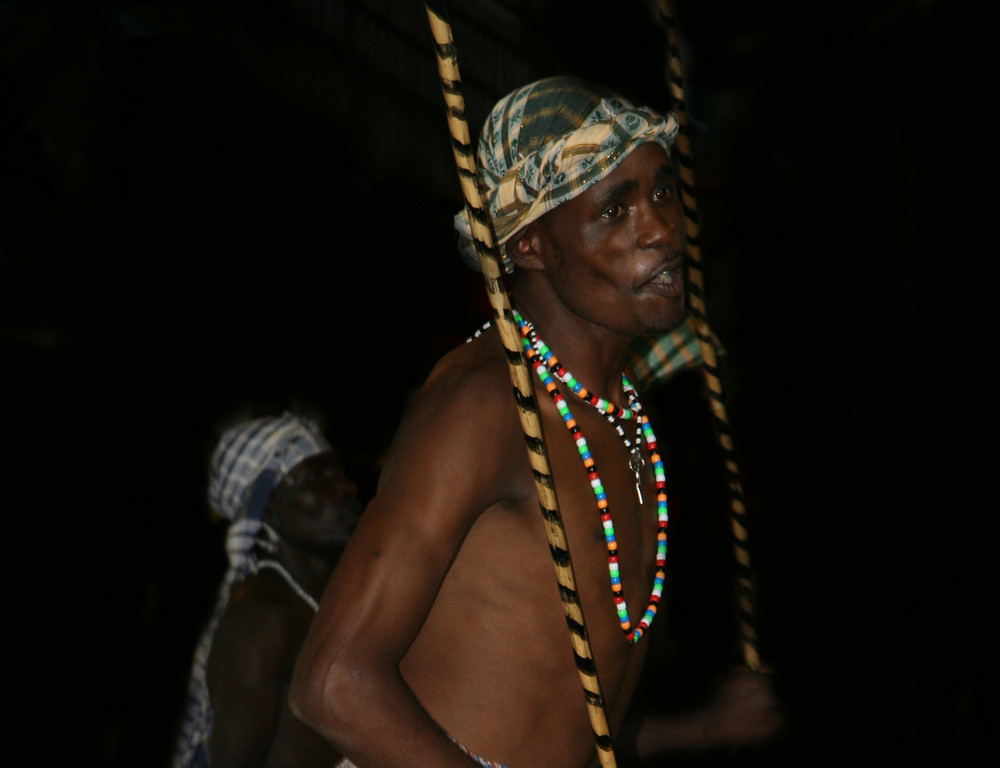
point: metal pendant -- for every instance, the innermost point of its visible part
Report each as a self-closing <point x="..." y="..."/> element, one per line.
<point x="636" y="462"/>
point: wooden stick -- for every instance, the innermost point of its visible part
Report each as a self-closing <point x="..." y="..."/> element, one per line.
<point x="696" y="304"/>
<point x="489" y="262"/>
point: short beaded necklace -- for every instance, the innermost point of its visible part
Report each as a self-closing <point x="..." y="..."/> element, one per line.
<point x="609" y="410"/>
<point x="545" y="366"/>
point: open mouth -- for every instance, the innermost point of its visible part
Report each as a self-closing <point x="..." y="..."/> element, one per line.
<point x="669" y="281"/>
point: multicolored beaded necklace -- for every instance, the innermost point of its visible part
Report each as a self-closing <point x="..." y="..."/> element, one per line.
<point x="546" y="366"/>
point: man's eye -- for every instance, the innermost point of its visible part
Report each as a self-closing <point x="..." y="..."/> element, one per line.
<point x="612" y="211"/>
<point x="663" y="193"/>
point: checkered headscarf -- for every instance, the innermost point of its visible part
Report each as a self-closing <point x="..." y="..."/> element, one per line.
<point x="247" y="465"/>
<point x="547" y="142"/>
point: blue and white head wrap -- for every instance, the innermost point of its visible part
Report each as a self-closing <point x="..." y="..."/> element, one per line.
<point x="247" y="465"/>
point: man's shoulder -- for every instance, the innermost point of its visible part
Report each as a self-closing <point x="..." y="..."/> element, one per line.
<point x="474" y="374"/>
<point x="260" y="630"/>
<point x="465" y="408"/>
<point x="261" y="600"/>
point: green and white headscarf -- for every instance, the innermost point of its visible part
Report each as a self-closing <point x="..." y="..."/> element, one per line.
<point x="544" y="144"/>
<point x="547" y="142"/>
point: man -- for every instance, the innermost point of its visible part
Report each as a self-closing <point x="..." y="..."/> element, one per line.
<point x="292" y="509"/>
<point x="440" y="640"/>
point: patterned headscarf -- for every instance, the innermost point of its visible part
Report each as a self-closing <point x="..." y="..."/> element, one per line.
<point x="246" y="466"/>
<point x="547" y="142"/>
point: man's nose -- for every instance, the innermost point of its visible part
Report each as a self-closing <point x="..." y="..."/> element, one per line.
<point x="657" y="225"/>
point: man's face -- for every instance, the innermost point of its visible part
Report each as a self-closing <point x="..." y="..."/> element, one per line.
<point x="615" y="252"/>
<point x="316" y="503"/>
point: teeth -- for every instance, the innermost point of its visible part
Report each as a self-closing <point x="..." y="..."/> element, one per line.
<point x="666" y="277"/>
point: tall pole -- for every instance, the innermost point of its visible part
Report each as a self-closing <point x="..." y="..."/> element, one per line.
<point x="489" y="262"/>
<point x="696" y="305"/>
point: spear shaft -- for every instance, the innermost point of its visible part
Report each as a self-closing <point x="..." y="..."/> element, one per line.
<point x="696" y="305"/>
<point x="489" y="262"/>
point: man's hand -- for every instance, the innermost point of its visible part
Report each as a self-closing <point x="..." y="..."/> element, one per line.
<point x="744" y="711"/>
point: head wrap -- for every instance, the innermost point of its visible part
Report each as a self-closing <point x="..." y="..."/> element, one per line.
<point x="247" y="464"/>
<point x="547" y="142"/>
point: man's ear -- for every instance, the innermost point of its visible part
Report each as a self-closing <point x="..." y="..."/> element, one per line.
<point x="525" y="248"/>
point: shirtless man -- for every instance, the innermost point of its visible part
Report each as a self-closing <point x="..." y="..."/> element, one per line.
<point x="440" y="636"/>
<point x="291" y="509"/>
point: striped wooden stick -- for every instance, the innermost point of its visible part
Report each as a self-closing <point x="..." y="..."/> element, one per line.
<point x="696" y="304"/>
<point x="489" y="262"/>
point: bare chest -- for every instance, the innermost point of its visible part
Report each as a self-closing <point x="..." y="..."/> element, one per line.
<point x="607" y="501"/>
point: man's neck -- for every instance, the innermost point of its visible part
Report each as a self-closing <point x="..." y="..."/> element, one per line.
<point x="594" y="355"/>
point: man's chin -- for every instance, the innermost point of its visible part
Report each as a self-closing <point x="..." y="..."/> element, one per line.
<point x="668" y="321"/>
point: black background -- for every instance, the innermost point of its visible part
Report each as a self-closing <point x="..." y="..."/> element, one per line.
<point x="212" y="208"/>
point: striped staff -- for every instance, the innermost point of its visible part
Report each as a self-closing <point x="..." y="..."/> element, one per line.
<point x="489" y="262"/>
<point x="696" y="304"/>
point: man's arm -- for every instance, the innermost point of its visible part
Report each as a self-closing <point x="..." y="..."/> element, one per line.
<point x="744" y="711"/>
<point x="249" y="657"/>
<point x="446" y="467"/>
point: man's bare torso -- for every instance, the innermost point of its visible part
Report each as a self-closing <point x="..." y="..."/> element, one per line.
<point x="493" y="662"/>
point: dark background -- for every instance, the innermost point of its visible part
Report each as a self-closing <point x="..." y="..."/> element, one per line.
<point x="214" y="208"/>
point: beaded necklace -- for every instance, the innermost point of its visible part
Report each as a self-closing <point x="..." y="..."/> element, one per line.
<point x="546" y="366"/>
<point x="609" y="410"/>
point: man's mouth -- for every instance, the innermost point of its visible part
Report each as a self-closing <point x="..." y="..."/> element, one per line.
<point x="669" y="281"/>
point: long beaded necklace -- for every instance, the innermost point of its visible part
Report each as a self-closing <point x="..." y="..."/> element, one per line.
<point x="546" y="366"/>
